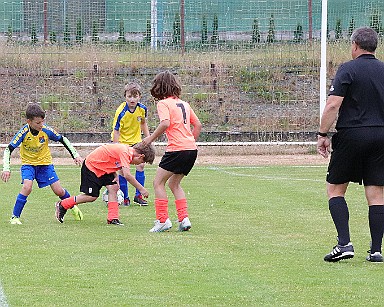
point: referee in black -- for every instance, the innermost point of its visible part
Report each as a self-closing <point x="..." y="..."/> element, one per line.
<point x="356" y="103"/>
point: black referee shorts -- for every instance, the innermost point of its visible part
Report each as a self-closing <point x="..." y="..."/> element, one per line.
<point x="357" y="156"/>
<point x="178" y="162"/>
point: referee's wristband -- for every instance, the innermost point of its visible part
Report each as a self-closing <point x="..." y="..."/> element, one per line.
<point x="323" y="134"/>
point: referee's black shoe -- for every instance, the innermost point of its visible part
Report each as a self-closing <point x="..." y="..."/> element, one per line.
<point x="340" y="252"/>
<point x="375" y="257"/>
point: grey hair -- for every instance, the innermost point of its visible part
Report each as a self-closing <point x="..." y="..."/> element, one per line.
<point x="366" y="38"/>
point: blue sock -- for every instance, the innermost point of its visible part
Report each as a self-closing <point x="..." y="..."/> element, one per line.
<point x="21" y="200"/>
<point x="339" y="211"/>
<point x="124" y="186"/>
<point x="140" y="177"/>
<point x="66" y="195"/>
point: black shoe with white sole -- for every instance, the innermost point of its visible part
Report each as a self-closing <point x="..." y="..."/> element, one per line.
<point x="375" y="257"/>
<point x="115" y="222"/>
<point x="340" y="252"/>
<point x="60" y="211"/>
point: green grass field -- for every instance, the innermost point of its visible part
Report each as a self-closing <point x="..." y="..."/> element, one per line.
<point x="258" y="238"/>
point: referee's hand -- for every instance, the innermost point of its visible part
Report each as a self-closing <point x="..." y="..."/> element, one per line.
<point x="323" y="146"/>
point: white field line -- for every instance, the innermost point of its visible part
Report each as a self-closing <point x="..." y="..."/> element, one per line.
<point x="237" y="174"/>
<point x="3" y="299"/>
<point x="244" y="144"/>
<point x="65" y="167"/>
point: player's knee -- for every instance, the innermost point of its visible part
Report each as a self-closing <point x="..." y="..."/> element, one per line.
<point x="91" y="199"/>
<point x="140" y="167"/>
<point x="173" y="185"/>
<point x="112" y="188"/>
<point x="26" y="189"/>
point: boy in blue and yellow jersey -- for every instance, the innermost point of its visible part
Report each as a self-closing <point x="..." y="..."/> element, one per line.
<point x="36" y="159"/>
<point x="129" y="123"/>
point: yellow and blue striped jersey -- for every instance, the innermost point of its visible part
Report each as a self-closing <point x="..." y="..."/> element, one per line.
<point x="129" y="123"/>
<point x="34" y="148"/>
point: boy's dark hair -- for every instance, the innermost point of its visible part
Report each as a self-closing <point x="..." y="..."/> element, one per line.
<point x="34" y="110"/>
<point x="165" y="85"/>
<point x="133" y="88"/>
<point x="147" y="150"/>
<point x="366" y="38"/>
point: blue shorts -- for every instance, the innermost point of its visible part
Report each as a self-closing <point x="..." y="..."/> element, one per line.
<point x="44" y="175"/>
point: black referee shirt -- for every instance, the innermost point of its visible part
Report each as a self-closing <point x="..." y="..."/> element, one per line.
<point x="361" y="83"/>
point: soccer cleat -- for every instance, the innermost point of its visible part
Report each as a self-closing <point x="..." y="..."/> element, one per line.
<point x="160" y="227"/>
<point x="127" y="202"/>
<point x="375" y="257"/>
<point x="60" y="212"/>
<point x="340" y="252"/>
<point x="140" y="200"/>
<point x="77" y="214"/>
<point x="15" y="221"/>
<point x="115" y="222"/>
<point x="185" y="224"/>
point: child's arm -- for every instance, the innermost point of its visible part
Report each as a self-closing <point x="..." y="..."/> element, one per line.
<point x="75" y="155"/>
<point x="115" y="136"/>
<point x="144" y="127"/>
<point x="15" y="142"/>
<point x="6" y="173"/>
<point x="57" y="137"/>
<point x="196" y="124"/>
<point x="132" y="180"/>
<point x="159" y="131"/>
<point x="196" y="130"/>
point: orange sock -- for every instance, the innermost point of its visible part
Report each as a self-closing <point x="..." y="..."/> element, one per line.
<point x="113" y="210"/>
<point x="161" y="207"/>
<point x="181" y="208"/>
<point x="69" y="202"/>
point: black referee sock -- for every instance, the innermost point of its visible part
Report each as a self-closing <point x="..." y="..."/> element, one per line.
<point x="339" y="211"/>
<point x="376" y="226"/>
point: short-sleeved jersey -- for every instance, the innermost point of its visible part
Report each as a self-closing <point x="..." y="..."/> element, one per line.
<point x="361" y="83"/>
<point x="109" y="158"/>
<point x="34" y="149"/>
<point x="181" y="116"/>
<point x="129" y="123"/>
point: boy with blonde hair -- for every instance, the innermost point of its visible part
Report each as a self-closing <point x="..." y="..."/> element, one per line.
<point x="129" y="123"/>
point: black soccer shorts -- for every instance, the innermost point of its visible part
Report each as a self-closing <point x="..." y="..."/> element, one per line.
<point x="91" y="184"/>
<point x="357" y="156"/>
<point x="179" y="162"/>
